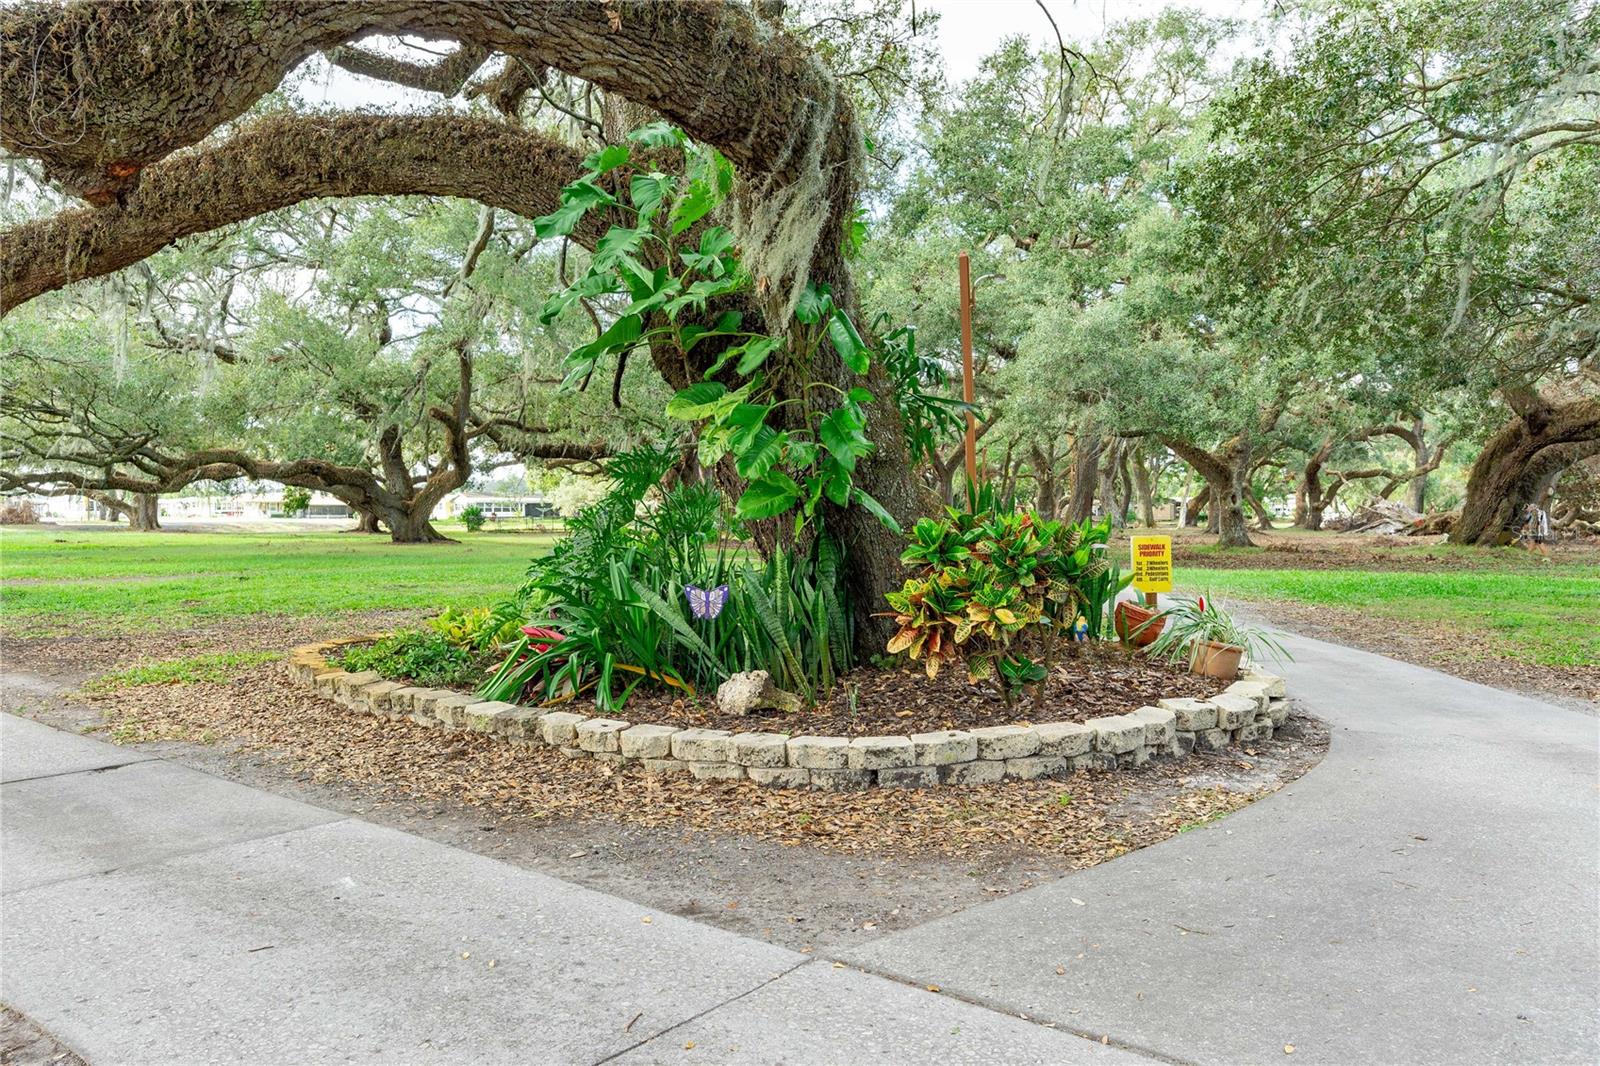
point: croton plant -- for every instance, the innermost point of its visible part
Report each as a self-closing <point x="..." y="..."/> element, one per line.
<point x="999" y="590"/>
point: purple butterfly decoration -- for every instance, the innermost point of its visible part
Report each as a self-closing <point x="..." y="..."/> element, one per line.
<point x="706" y="603"/>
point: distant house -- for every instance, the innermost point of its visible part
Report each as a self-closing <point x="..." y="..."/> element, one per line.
<point x="496" y="507"/>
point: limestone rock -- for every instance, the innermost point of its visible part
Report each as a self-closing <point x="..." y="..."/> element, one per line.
<point x="753" y="690"/>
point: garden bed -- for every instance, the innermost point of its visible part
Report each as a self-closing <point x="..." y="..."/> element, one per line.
<point x="1090" y="681"/>
<point x="812" y="752"/>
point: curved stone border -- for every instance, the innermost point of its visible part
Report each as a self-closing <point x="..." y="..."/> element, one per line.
<point x="1247" y="710"/>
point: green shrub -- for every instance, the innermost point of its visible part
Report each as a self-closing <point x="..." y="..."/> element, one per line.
<point x="609" y="611"/>
<point x="421" y="656"/>
<point x="1001" y="590"/>
<point x="472" y="518"/>
<point x="296" y="500"/>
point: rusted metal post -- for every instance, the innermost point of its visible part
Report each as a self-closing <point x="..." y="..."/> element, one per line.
<point x="967" y="392"/>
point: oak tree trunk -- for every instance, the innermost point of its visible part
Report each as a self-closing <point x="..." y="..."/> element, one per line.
<point x="1512" y="467"/>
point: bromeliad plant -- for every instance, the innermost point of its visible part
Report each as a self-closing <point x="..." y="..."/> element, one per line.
<point x="1000" y="590"/>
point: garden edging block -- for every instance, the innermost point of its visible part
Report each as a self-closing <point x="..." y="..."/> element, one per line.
<point x="1248" y="710"/>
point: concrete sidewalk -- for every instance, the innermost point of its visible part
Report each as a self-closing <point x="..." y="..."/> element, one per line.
<point x="154" y="914"/>
<point x="1428" y="894"/>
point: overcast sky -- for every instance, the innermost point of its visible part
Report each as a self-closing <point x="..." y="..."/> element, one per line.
<point x="971" y="29"/>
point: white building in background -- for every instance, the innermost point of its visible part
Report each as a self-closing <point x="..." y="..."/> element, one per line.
<point x="495" y="506"/>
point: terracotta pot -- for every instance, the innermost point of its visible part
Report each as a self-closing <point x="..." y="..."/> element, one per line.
<point x="1216" y="660"/>
<point x="1129" y="616"/>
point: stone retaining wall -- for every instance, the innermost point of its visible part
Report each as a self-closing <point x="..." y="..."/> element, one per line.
<point x="1247" y="710"/>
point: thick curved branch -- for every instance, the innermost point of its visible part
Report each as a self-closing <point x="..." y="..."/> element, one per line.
<point x="445" y="77"/>
<point x="280" y="161"/>
<point x="100" y="91"/>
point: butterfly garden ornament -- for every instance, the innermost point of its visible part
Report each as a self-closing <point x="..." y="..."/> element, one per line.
<point x="706" y="603"/>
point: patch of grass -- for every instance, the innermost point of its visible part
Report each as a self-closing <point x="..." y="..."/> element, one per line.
<point x="215" y="668"/>
<point x="1549" y="615"/>
<point x="61" y="582"/>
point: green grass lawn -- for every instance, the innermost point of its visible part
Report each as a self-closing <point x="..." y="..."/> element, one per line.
<point x="1548" y="615"/>
<point x="55" y="581"/>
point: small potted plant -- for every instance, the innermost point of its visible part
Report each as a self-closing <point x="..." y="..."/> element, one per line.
<point x="1137" y="624"/>
<point x="1210" y="639"/>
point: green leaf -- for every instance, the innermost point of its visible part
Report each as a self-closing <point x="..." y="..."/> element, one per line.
<point x="696" y="202"/>
<point x="814" y="303"/>
<point x="716" y="241"/>
<point x="560" y="222"/>
<point x="691" y="335"/>
<point x="594" y="283"/>
<point x="755" y="353"/>
<point x="607" y="159"/>
<point x="876" y="508"/>
<point x="697" y="401"/>
<point x="658" y="135"/>
<point x="619" y="241"/>
<point x="841" y="433"/>
<point x="859" y="395"/>
<point x="647" y="191"/>
<point x="620" y="334"/>
<point x="848" y="343"/>
<point x="763" y="454"/>
<point x="770" y="495"/>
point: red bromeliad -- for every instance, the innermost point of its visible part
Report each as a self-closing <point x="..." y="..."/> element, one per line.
<point x="540" y="633"/>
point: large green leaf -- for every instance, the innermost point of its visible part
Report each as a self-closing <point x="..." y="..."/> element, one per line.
<point x="848" y="343"/>
<point x="770" y="495"/>
<point x="697" y="401"/>
<point x="607" y="159"/>
<point x="647" y="191"/>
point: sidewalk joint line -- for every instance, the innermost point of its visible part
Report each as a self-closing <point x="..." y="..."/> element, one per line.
<point x="696" y="1017"/>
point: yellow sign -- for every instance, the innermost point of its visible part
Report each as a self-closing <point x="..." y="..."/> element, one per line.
<point x="1152" y="564"/>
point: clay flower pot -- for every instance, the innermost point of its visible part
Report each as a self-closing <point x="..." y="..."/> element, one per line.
<point x="1216" y="660"/>
<point x="1129" y="616"/>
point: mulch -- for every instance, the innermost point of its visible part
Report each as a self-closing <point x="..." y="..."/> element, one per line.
<point x="1085" y="819"/>
<point x="1091" y="681"/>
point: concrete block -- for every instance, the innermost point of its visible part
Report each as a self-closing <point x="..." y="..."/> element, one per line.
<point x="977" y="772"/>
<point x="1251" y="690"/>
<point x="522" y="724"/>
<point x="489" y="716"/>
<point x="665" y="767"/>
<point x="1117" y="733"/>
<point x="841" y="780"/>
<point x="377" y="695"/>
<point x="1064" y="739"/>
<point x="1277" y="712"/>
<point x="1034" y="767"/>
<point x="560" y="728"/>
<point x="780" y="776"/>
<point x="715" y="771"/>
<point x="1190" y="715"/>
<point x="879" y="753"/>
<point x="1212" y="739"/>
<point x="1182" y="744"/>
<point x="645" y="741"/>
<point x="1159" y="724"/>
<point x="325" y="682"/>
<point x="908" y="776"/>
<point x="452" y="712"/>
<point x="1276" y="689"/>
<point x="402" y="701"/>
<point x="703" y="745"/>
<point x="601" y="734"/>
<point x="761" y="749"/>
<point x="1129" y="759"/>
<point x="1255" y="731"/>
<point x="819" y="753"/>
<point x="1233" y="711"/>
<point x="1095" y="760"/>
<point x="944" y="746"/>
<point x="344" y="685"/>
<point x="1006" y="742"/>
